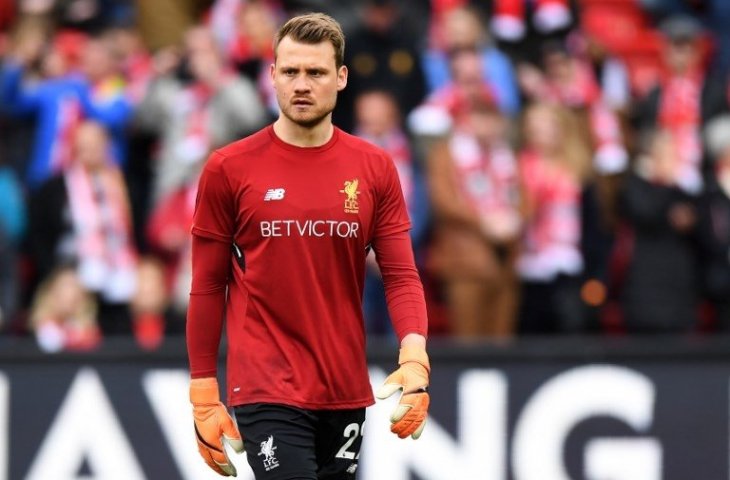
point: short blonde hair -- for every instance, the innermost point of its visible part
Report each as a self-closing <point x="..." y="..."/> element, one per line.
<point x="314" y="28"/>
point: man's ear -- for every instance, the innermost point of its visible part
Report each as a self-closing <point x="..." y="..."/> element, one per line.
<point x="341" y="78"/>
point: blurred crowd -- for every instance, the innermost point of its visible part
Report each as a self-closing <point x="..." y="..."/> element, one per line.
<point x="566" y="164"/>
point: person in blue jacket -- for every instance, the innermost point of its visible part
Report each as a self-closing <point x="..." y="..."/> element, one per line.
<point x="62" y="98"/>
<point x="462" y="29"/>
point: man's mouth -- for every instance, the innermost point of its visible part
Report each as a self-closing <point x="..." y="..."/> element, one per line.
<point x="302" y="101"/>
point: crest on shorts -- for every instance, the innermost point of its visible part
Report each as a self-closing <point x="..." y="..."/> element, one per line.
<point x="351" y="205"/>
<point x="267" y="450"/>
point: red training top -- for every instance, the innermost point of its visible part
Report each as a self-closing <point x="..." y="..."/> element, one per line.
<point x="301" y="219"/>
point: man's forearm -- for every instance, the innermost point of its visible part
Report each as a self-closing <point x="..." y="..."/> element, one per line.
<point x="403" y="287"/>
<point x="211" y="264"/>
<point x="203" y="332"/>
<point x="413" y="339"/>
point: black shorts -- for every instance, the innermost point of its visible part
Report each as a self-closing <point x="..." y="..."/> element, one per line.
<point x="286" y="443"/>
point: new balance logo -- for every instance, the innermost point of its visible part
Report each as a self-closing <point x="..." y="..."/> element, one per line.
<point x="274" y="194"/>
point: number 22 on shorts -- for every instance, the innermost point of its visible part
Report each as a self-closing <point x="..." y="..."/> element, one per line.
<point x="351" y="432"/>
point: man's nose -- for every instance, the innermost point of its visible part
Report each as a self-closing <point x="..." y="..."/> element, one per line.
<point x="301" y="84"/>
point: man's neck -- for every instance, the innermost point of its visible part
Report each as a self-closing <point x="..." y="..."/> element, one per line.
<point x="300" y="136"/>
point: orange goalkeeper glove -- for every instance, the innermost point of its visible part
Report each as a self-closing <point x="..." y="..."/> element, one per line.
<point x="213" y="424"/>
<point x="411" y="378"/>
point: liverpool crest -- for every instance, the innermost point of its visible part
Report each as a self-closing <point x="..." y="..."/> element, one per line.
<point x="351" y="205"/>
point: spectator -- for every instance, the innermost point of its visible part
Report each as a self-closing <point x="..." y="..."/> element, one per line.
<point x="244" y="29"/>
<point x="713" y="229"/>
<point x="103" y="91"/>
<point x="168" y="234"/>
<point x="91" y="16"/>
<point x="149" y="305"/>
<point x="251" y="50"/>
<point x="381" y="53"/>
<point x="569" y="81"/>
<point x="378" y="121"/>
<point x="462" y="30"/>
<point x="64" y="99"/>
<point x="134" y="59"/>
<point x="447" y="106"/>
<point x="554" y="163"/>
<point x="685" y="100"/>
<point x="661" y="289"/>
<point x="63" y="315"/>
<point x="82" y="216"/>
<point x="202" y="107"/>
<point x="474" y="184"/>
<point x="609" y="69"/>
<point x="26" y="39"/>
<point x="715" y="14"/>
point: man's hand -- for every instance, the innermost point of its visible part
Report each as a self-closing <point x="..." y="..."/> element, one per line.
<point x="213" y="424"/>
<point x="411" y="378"/>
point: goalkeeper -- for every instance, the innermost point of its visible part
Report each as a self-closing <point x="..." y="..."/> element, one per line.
<point x="282" y="224"/>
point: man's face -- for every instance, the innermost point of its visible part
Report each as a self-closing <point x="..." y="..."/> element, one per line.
<point x="681" y="56"/>
<point x="97" y="60"/>
<point x="467" y="73"/>
<point x="559" y="67"/>
<point x="376" y="114"/>
<point x="461" y="30"/>
<point x="487" y="126"/>
<point x="90" y="146"/>
<point x="306" y="80"/>
<point x="542" y="128"/>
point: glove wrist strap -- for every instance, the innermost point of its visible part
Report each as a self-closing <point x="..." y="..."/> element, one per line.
<point x="204" y="391"/>
<point x="414" y="353"/>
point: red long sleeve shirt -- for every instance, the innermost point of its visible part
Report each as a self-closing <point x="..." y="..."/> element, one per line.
<point x="301" y="219"/>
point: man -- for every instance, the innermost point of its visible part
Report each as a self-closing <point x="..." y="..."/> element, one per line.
<point x="299" y="204"/>
<point x="685" y="99"/>
<point x="64" y="99"/>
<point x="194" y="115"/>
<point x="383" y="52"/>
<point x="81" y="216"/>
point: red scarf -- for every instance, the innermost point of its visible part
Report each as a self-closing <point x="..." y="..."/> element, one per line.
<point x="553" y="229"/>
<point x="679" y="112"/>
<point x="680" y="101"/>
<point x="487" y="179"/>
<point x="102" y="226"/>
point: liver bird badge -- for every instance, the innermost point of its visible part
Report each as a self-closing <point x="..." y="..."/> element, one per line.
<point x="351" y="205"/>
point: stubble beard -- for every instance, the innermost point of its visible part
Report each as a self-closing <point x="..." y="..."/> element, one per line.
<point x="308" y="121"/>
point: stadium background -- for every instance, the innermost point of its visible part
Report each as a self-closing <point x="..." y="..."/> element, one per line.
<point x="614" y="381"/>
